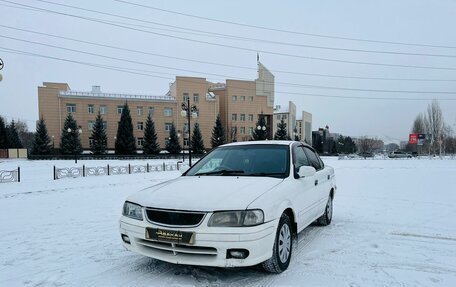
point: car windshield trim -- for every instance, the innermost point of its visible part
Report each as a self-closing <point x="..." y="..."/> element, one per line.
<point x="269" y="174"/>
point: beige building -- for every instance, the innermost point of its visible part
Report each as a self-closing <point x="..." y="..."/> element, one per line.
<point x="239" y="104"/>
<point x="243" y="102"/>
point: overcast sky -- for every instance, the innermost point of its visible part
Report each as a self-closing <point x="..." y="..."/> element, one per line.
<point x="409" y="21"/>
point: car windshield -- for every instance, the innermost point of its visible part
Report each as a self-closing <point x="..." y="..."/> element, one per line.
<point x="245" y="160"/>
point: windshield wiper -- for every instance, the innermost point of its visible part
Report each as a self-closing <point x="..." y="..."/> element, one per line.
<point x="221" y="172"/>
<point x="272" y="174"/>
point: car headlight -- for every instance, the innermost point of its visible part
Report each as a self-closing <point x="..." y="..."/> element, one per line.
<point x="132" y="210"/>
<point x="236" y="218"/>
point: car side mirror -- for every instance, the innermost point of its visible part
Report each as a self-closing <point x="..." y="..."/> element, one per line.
<point x="306" y="171"/>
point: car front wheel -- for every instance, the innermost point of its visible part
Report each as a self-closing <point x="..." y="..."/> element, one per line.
<point x="326" y="218"/>
<point x="281" y="252"/>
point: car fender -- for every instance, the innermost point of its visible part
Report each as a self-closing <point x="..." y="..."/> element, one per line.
<point x="274" y="202"/>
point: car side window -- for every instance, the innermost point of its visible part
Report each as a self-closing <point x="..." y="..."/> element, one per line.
<point x="300" y="158"/>
<point x="313" y="158"/>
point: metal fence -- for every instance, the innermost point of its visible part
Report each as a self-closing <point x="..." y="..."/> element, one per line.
<point x="85" y="171"/>
<point x="10" y="175"/>
<point x="113" y="156"/>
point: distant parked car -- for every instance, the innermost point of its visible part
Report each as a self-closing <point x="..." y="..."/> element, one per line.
<point x="399" y="154"/>
<point x="240" y="205"/>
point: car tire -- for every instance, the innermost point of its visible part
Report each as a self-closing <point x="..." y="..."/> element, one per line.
<point x="283" y="243"/>
<point x="326" y="218"/>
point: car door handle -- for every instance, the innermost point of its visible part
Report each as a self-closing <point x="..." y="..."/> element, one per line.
<point x="316" y="182"/>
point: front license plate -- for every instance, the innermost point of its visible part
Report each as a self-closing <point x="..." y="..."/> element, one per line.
<point x="171" y="236"/>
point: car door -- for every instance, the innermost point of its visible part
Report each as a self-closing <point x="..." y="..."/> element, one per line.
<point x="322" y="181"/>
<point x="306" y="190"/>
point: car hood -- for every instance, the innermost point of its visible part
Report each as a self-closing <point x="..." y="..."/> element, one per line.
<point x="205" y="193"/>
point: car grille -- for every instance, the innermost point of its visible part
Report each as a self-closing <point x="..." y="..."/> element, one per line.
<point x="174" y="217"/>
<point x="176" y="249"/>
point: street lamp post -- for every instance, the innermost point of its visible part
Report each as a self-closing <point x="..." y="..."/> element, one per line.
<point x="189" y="111"/>
<point x="183" y="143"/>
<point x="53" y="146"/>
<point x="262" y="128"/>
<point x="79" y="131"/>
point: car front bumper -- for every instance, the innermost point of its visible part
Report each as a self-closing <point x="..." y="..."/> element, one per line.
<point x="210" y="246"/>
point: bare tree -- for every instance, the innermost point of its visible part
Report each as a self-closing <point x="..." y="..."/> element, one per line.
<point x="447" y="139"/>
<point x="419" y="126"/>
<point x="434" y="126"/>
<point x="25" y="135"/>
<point x="366" y="145"/>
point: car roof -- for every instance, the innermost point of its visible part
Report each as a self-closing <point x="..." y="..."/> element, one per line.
<point x="265" y="142"/>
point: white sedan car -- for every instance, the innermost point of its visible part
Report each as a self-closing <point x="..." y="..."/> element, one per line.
<point x="240" y="205"/>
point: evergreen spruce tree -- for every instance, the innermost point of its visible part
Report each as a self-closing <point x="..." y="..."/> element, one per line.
<point x="13" y="136"/>
<point x="125" y="141"/>
<point x="172" y="145"/>
<point x="41" y="142"/>
<point x="3" y="134"/>
<point x="218" y="133"/>
<point x="99" y="138"/>
<point x="197" y="140"/>
<point x="281" y="133"/>
<point x="151" y="145"/>
<point x="70" y="142"/>
<point x="259" y="134"/>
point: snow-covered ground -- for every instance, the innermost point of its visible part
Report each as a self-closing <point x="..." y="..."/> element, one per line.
<point x="394" y="224"/>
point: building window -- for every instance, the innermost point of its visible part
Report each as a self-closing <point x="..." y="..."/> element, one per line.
<point x="168" y="112"/>
<point x="102" y="110"/>
<point x="284" y="117"/>
<point x="185" y="97"/>
<point x="186" y="142"/>
<point x="242" y="130"/>
<point x="250" y="118"/>
<point x="242" y="118"/>
<point x="185" y="128"/>
<point x="90" y="125"/>
<point x="151" y="111"/>
<point x="140" y="126"/>
<point x="250" y="98"/>
<point x="105" y="125"/>
<point x="139" y="110"/>
<point x="196" y="98"/>
<point x="242" y="98"/>
<point x="278" y="117"/>
<point x="90" y="109"/>
<point x="234" y="117"/>
<point x="90" y="141"/>
<point x="234" y="98"/>
<point x="250" y="131"/>
<point x="168" y="126"/>
<point x="140" y="142"/>
<point x="71" y="108"/>
<point x="166" y="141"/>
<point x="119" y="109"/>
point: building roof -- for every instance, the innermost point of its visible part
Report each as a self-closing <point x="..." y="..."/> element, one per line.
<point x="279" y="109"/>
<point x="92" y="94"/>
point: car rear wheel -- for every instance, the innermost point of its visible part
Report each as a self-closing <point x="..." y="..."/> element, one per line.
<point x="281" y="252"/>
<point x="326" y="218"/>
